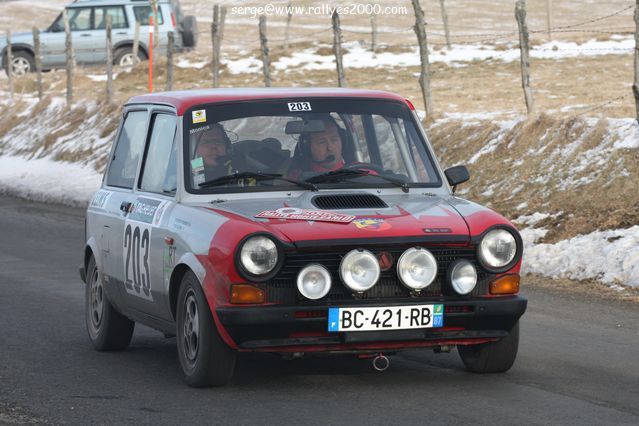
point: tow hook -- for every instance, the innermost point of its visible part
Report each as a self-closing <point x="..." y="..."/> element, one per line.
<point x="381" y="363"/>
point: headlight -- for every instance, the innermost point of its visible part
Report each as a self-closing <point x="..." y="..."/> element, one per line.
<point x="258" y="255"/>
<point x="314" y="282"/>
<point x="417" y="268"/>
<point x="497" y="249"/>
<point x="463" y="276"/>
<point x="359" y="270"/>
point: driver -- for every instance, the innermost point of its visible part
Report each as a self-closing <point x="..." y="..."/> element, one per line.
<point x="214" y="148"/>
<point x="321" y="151"/>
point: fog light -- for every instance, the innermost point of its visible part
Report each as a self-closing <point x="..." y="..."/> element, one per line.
<point x="463" y="276"/>
<point x="314" y="282"/>
<point x="417" y="268"/>
<point x="359" y="270"/>
<point x="246" y="293"/>
<point x="508" y="284"/>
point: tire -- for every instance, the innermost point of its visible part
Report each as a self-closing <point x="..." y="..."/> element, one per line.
<point x="108" y="329"/>
<point x="189" y="31"/>
<point x="123" y="56"/>
<point x="205" y="359"/>
<point x="23" y="63"/>
<point x="492" y="357"/>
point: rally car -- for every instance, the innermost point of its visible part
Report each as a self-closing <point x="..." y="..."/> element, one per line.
<point x="296" y="222"/>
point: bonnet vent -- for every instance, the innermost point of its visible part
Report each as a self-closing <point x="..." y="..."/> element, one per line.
<point x="348" y="201"/>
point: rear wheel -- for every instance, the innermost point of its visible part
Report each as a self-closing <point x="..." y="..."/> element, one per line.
<point x="205" y="359"/>
<point x="492" y="357"/>
<point x="108" y="329"/>
<point x="124" y="57"/>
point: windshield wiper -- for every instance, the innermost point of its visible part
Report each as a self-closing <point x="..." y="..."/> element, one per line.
<point x="223" y="180"/>
<point x="338" y="175"/>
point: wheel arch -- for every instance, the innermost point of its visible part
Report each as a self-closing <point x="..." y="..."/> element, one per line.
<point x="91" y="249"/>
<point x="18" y="47"/>
<point x="129" y="43"/>
<point x="188" y="262"/>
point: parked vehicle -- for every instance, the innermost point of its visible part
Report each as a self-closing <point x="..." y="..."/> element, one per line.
<point x="294" y="221"/>
<point x="87" y="21"/>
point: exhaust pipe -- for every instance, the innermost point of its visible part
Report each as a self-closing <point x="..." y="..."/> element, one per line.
<point x="381" y="363"/>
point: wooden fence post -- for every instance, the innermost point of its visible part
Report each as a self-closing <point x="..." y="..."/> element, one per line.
<point x="337" y="49"/>
<point x="524" y="48"/>
<point x="38" y="60"/>
<point x="445" y="20"/>
<point x="265" y="56"/>
<point x="549" y="18"/>
<point x="136" y="44"/>
<point x="635" y="86"/>
<point x="222" y="20"/>
<point x="70" y="58"/>
<point x="215" y="38"/>
<point x="424" y="76"/>
<point x="287" y="30"/>
<point x="169" y="61"/>
<point x="373" y="32"/>
<point x="156" y="29"/>
<point x="109" y="59"/>
<point x="9" y="64"/>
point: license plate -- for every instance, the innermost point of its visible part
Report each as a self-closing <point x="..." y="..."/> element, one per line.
<point x="385" y="318"/>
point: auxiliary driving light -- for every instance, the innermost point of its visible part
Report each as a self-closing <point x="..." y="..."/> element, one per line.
<point x="417" y="268"/>
<point x="359" y="270"/>
<point x="463" y="276"/>
<point x="314" y="281"/>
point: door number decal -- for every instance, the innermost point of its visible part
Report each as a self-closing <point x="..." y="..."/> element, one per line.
<point x="137" y="273"/>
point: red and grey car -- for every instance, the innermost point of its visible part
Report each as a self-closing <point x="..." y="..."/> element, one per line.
<point x="371" y="256"/>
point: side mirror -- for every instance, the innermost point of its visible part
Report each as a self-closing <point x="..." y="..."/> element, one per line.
<point x="456" y="175"/>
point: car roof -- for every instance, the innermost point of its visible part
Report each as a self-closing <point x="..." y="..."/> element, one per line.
<point x="183" y="100"/>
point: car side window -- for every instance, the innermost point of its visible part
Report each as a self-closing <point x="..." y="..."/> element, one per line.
<point x="128" y="151"/>
<point x="143" y="15"/>
<point x="158" y="174"/>
<point x="118" y="17"/>
<point x="80" y="19"/>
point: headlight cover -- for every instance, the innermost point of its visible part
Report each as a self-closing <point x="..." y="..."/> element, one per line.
<point x="359" y="270"/>
<point x="314" y="281"/>
<point x="497" y="249"/>
<point x="417" y="268"/>
<point x="258" y="255"/>
<point x="463" y="276"/>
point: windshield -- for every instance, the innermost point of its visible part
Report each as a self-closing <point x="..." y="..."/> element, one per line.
<point x="331" y="143"/>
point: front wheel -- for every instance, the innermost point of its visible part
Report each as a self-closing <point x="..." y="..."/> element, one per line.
<point x="22" y="63"/>
<point x="125" y="58"/>
<point x="205" y="359"/>
<point x="108" y="329"/>
<point x="492" y="357"/>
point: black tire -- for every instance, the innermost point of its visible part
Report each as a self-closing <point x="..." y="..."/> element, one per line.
<point x="492" y="357"/>
<point x="205" y="359"/>
<point x="23" y="62"/>
<point x="189" y="31"/>
<point x="122" y="53"/>
<point x="108" y="329"/>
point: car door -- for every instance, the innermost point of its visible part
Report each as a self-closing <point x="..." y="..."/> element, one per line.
<point x="53" y="42"/>
<point x="120" y="29"/>
<point x="148" y="250"/>
<point x="119" y="184"/>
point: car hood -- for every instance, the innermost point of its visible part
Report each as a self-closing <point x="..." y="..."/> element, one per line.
<point x="407" y="216"/>
<point x="22" y="37"/>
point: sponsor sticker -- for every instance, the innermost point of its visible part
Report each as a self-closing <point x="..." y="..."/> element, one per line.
<point x="197" y="165"/>
<point x="199" y="116"/>
<point x="199" y="129"/>
<point x="372" y="224"/>
<point x="148" y="210"/>
<point x="292" y="213"/>
<point x="100" y="199"/>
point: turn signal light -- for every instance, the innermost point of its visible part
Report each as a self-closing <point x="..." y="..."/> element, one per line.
<point x="508" y="284"/>
<point x="246" y="293"/>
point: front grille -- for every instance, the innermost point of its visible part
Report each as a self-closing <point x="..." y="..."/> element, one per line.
<point x="283" y="288"/>
<point x="348" y="201"/>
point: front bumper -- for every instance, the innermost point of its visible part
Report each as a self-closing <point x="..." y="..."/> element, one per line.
<point x="304" y="328"/>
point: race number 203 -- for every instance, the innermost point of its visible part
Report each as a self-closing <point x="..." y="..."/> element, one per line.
<point x="385" y="318"/>
<point x="137" y="273"/>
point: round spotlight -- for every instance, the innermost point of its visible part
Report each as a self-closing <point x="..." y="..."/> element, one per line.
<point x="497" y="249"/>
<point x="314" y="281"/>
<point x="417" y="268"/>
<point x="463" y="276"/>
<point x="359" y="270"/>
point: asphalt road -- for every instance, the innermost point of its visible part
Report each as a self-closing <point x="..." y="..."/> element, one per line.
<point x="578" y="361"/>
